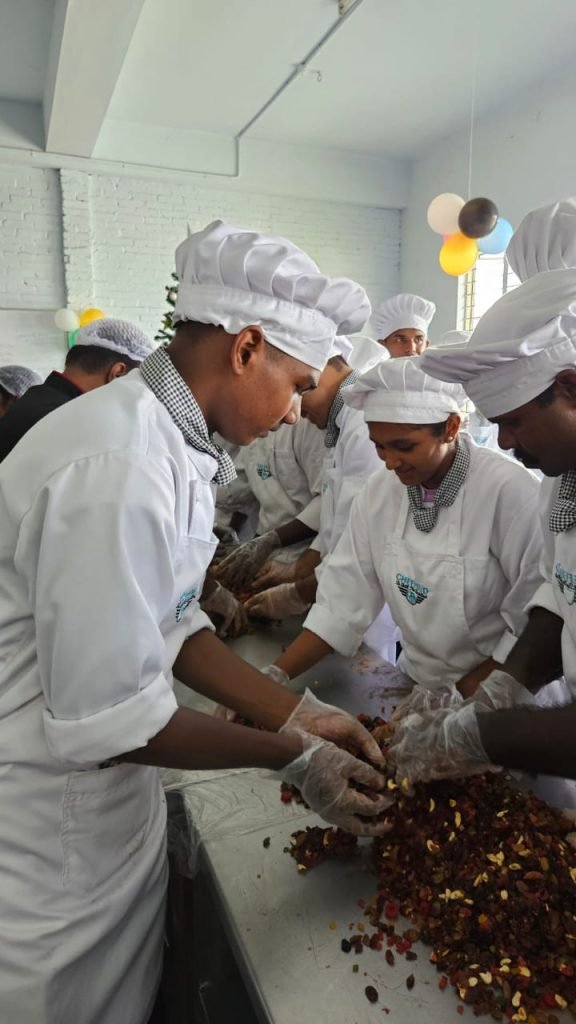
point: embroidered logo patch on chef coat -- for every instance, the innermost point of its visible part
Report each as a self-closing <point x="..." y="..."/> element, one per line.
<point x="263" y="470"/>
<point x="566" y="581"/>
<point x="414" y="592"/>
<point x="187" y="597"/>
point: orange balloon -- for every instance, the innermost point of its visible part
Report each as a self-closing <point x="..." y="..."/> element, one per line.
<point x="458" y="254"/>
<point x="89" y="315"/>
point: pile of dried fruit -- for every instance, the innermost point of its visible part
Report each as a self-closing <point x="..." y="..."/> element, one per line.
<point x="484" y="875"/>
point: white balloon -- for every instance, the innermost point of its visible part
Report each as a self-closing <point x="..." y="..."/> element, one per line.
<point x="66" y="320"/>
<point x="443" y="213"/>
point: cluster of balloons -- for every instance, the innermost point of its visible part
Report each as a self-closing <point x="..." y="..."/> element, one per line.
<point x="468" y="228"/>
<point x="71" y="322"/>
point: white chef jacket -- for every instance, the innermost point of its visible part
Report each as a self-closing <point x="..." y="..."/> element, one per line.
<point x="283" y="471"/>
<point x="558" y="590"/>
<point x="106" y="533"/>
<point x="457" y="593"/>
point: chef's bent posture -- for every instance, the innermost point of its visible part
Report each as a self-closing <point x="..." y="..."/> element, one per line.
<point x="106" y="512"/>
<point x="519" y="369"/>
<point x="446" y="534"/>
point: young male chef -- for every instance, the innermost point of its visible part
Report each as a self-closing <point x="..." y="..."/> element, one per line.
<point x="401" y="324"/>
<point x="105" y="536"/>
<point x="519" y="369"/>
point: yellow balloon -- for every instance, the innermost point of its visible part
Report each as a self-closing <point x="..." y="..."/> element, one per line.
<point x="458" y="254"/>
<point x="89" y="315"/>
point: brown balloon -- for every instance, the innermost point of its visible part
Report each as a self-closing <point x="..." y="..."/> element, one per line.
<point x="478" y="217"/>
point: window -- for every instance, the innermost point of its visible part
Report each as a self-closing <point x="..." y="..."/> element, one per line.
<point x="487" y="281"/>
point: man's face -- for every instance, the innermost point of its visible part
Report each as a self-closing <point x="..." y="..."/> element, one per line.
<point x="407" y="341"/>
<point x="542" y="436"/>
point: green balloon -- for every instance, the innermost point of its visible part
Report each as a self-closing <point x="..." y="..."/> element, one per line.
<point x="72" y="337"/>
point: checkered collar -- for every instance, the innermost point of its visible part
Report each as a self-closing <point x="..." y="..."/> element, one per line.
<point x="165" y="382"/>
<point x="425" y="518"/>
<point x="332" y="430"/>
<point x="563" y="512"/>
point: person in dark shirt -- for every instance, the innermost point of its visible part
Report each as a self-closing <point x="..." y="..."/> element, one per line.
<point x="104" y="350"/>
<point x="14" y="382"/>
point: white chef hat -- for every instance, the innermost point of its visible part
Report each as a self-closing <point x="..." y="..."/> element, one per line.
<point x="233" y="277"/>
<point x="118" y="335"/>
<point x="453" y="338"/>
<point x="342" y="347"/>
<point x="17" y="379"/>
<point x="518" y="348"/>
<point x="366" y="352"/>
<point x="402" y="311"/>
<point x="398" y="391"/>
<point x="544" y="240"/>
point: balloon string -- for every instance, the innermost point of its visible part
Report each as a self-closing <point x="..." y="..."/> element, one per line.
<point x="473" y="108"/>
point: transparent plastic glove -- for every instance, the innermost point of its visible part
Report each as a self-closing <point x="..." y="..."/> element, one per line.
<point x="421" y="699"/>
<point x="240" y="567"/>
<point x="323" y="772"/>
<point x="331" y="723"/>
<point x="438" y="745"/>
<point x="228" y="540"/>
<point x="570" y="814"/>
<point x="274" y="573"/>
<point x="277" y="603"/>
<point x="231" y="618"/>
<point x="500" y="690"/>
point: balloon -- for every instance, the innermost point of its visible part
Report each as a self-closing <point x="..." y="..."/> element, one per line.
<point x="89" y="315"/>
<point x="458" y="255"/>
<point x="72" y="338"/>
<point x="443" y="213"/>
<point x="497" y="241"/>
<point x="477" y="218"/>
<point x="66" y="320"/>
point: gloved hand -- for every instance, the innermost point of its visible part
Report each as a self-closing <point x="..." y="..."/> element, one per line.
<point x="323" y="772"/>
<point x="274" y="573"/>
<point x="241" y="566"/>
<point x="275" y="673"/>
<point x="500" y="690"/>
<point x="231" y="618"/>
<point x="277" y="603"/>
<point x="331" y="723"/>
<point x="420" y="699"/>
<point x="228" y="540"/>
<point x="438" y="745"/>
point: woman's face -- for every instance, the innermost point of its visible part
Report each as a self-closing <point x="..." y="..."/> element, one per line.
<point x="416" y="454"/>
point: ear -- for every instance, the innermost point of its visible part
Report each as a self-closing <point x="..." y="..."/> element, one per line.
<point x="248" y="349"/>
<point x="452" y="426"/>
<point x="118" y="369"/>
<point x="565" y="385"/>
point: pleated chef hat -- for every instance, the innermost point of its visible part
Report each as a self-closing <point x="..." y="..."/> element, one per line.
<point x="453" y="338"/>
<point x="233" y="277"/>
<point x="398" y="391"/>
<point x="544" y="240"/>
<point x="402" y="311"/>
<point x="118" y="335"/>
<point x="518" y="348"/>
<point x="17" y="379"/>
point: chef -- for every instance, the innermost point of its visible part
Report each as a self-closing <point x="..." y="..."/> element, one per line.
<point x="350" y="460"/>
<point x="446" y="534"/>
<point x="544" y="240"/>
<point x="106" y="528"/>
<point x="401" y="324"/>
<point x="519" y="369"/>
<point x="14" y="382"/>
<point x="103" y="350"/>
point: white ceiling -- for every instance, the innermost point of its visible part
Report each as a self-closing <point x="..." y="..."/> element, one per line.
<point x="396" y="77"/>
<point x="25" y="27"/>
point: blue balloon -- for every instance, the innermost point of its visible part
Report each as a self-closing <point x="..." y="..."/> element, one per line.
<point x="497" y="241"/>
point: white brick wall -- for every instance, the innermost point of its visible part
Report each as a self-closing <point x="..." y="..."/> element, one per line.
<point x="136" y="225"/>
<point x="31" y="261"/>
<point x="96" y="240"/>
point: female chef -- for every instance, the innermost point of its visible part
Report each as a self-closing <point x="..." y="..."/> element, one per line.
<point x="446" y="534"/>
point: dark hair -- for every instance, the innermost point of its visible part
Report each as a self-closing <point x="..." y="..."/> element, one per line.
<point x="338" y="362"/>
<point x="5" y="395"/>
<point x="95" y="359"/>
<point x="548" y="396"/>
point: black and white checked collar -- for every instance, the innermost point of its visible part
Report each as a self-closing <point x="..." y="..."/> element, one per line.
<point x="563" y="512"/>
<point x="425" y="518"/>
<point x="333" y="431"/>
<point x="165" y="382"/>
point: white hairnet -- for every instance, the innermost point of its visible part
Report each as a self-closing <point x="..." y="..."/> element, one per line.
<point x="232" y="277"/>
<point x="117" y="335"/>
<point x="544" y="240"/>
<point x="17" y="379"/>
